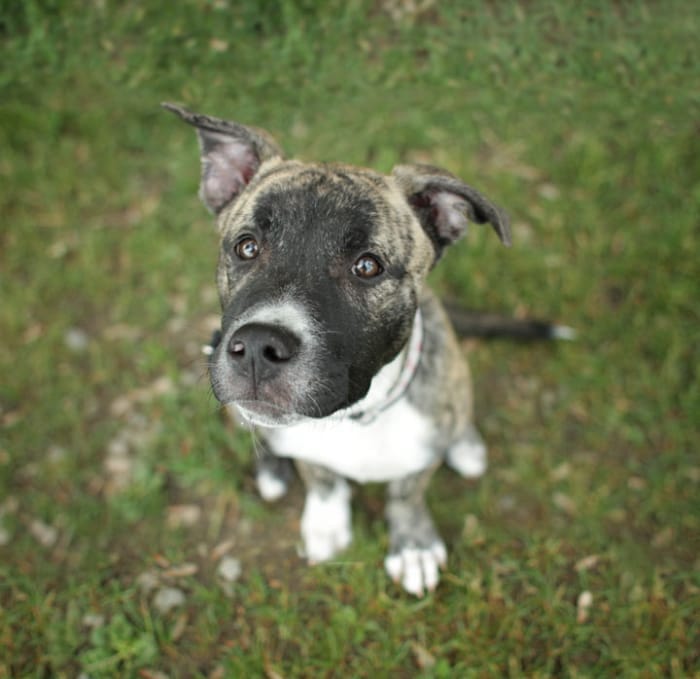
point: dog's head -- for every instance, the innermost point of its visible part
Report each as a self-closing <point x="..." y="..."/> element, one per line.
<point x="320" y="268"/>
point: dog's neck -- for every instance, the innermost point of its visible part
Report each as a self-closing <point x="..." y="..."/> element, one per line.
<point x="392" y="381"/>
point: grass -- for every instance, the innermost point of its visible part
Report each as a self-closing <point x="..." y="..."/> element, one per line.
<point x="580" y="118"/>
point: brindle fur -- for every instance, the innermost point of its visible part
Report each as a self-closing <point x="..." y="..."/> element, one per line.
<point x="314" y="219"/>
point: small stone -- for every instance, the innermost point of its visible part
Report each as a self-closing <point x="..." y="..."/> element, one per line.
<point x="587" y="563"/>
<point x="93" y="620"/>
<point x="121" y="405"/>
<point x="229" y="569"/>
<point x="122" y="332"/>
<point x="118" y="447"/>
<point x="561" y="472"/>
<point x="55" y="453"/>
<point x="183" y="515"/>
<point x="9" y="506"/>
<point x="217" y="45"/>
<point x="118" y="466"/>
<point x="471" y="530"/>
<point x="161" y="386"/>
<point x="147" y="581"/>
<point x="583" y="606"/>
<point x="168" y="598"/>
<point x="506" y="503"/>
<point x="153" y="674"/>
<point x="663" y="538"/>
<point x="548" y="191"/>
<point x="45" y="534"/>
<point x="636" y="483"/>
<point x="565" y="503"/>
<point x="4" y="537"/>
<point x="76" y="339"/>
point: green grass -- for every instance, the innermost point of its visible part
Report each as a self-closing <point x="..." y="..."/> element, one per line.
<point x="580" y="118"/>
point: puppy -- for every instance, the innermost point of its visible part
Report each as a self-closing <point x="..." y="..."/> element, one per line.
<point x="331" y="344"/>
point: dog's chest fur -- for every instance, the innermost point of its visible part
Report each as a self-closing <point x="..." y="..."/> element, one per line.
<point x="395" y="444"/>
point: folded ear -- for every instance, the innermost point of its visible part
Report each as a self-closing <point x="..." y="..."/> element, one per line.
<point x="444" y="204"/>
<point x="231" y="155"/>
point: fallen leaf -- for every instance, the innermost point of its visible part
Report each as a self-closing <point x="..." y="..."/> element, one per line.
<point x="182" y="571"/>
<point x="424" y="658"/>
<point x="565" y="503"/>
<point x="587" y="563"/>
<point x="221" y="549"/>
<point x="183" y="515"/>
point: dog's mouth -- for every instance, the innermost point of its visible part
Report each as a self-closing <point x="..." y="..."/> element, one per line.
<point x="254" y="413"/>
<point x="265" y="414"/>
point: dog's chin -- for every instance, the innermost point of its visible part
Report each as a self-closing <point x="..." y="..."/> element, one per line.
<point x="265" y="414"/>
<point x="262" y="414"/>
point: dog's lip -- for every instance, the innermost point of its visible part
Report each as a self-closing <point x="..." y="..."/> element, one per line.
<point x="271" y="416"/>
<point x="265" y="414"/>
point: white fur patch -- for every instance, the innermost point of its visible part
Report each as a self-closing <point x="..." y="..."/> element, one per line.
<point x="395" y="445"/>
<point x="325" y="524"/>
<point x="283" y="314"/>
<point x="270" y="487"/>
<point x="468" y="456"/>
<point x="417" y="569"/>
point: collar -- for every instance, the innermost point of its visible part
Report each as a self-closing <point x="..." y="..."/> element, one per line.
<point x="369" y="411"/>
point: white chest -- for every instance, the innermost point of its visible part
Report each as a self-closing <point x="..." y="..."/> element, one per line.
<point x="394" y="445"/>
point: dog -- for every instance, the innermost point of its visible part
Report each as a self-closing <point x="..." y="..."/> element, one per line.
<point x="331" y="345"/>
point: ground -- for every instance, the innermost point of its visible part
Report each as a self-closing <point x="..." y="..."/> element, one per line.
<point x="132" y="541"/>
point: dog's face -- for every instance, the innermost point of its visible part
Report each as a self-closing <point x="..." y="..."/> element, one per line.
<point x="320" y="268"/>
<point x="319" y="274"/>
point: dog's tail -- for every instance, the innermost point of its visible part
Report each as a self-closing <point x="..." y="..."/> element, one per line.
<point x="487" y="325"/>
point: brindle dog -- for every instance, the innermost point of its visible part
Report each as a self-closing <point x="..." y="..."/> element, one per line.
<point x="331" y="345"/>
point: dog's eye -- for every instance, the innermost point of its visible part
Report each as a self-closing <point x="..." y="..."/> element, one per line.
<point x="367" y="266"/>
<point x="247" y="248"/>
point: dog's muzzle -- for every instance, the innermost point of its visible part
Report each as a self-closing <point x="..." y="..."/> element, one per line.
<point x="260" y="368"/>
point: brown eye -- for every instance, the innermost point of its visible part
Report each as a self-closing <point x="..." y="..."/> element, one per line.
<point x="247" y="248"/>
<point x="366" y="267"/>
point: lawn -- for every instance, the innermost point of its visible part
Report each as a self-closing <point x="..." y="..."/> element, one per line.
<point x="132" y="540"/>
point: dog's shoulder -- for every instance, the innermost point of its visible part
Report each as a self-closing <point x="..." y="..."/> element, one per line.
<point x="442" y="384"/>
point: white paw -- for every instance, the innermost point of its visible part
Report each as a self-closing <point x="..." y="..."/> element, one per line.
<point x="270" y="487"/>
<point x="417" y="569"/>
<point x="468" y="457"/>
<point x="325" y="524"/>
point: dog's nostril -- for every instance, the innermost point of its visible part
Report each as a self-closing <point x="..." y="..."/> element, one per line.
<point x="276" y="354"/>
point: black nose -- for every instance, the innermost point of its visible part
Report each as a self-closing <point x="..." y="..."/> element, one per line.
<point x="260" y="351"/>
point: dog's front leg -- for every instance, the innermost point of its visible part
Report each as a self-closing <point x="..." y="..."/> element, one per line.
<point x="416" y="551"/>
<point x="325" y="524"/>
<point x="272" y="473"/>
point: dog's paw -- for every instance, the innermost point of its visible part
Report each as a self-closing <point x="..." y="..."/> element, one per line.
<point x="417" y="568"/>
<point x="468" y="456"/>
<point x="270" y="487"/>
<point x="326" y="527"/>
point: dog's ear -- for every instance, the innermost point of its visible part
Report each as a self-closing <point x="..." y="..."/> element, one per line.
<point x="231" y="155"/>
<point x="444" y="204"/>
